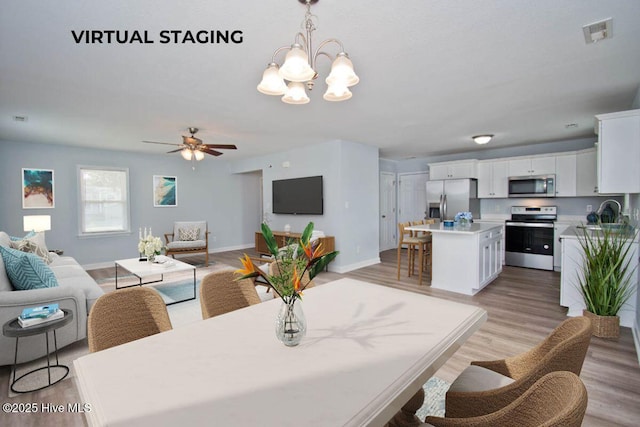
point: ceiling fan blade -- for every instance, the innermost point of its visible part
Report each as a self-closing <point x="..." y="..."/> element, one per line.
<point x="175" y="151"/>
<point x="156" y="142"/>
<point x="224" y="146"/>
<point x="212" y="152"/>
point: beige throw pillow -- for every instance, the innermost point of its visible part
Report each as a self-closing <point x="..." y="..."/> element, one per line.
<point x="34" y="244"/>
<point x="189" y="234"/>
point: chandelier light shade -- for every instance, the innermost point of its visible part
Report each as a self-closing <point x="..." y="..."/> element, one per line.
<point x="482" y="139"/>
<point x="199" y="155"/>
<point x="272" y="83"/>
<point x="299" y="68"/>
<point x="296" y="94"/>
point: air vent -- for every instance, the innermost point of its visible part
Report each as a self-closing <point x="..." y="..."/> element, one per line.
<point x="598" y="31"/>
<point x="20" y="118"/>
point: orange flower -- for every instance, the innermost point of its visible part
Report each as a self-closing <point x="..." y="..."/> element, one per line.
<point x="296" y="280"/>
<point x="310" y="252"/>
<point x="248" y="265"/>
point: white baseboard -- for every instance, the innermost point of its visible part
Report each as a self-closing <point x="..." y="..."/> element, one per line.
<point x="347" y="268"/>
<point x="234" y="248"/>
<point x="636" y="338"/>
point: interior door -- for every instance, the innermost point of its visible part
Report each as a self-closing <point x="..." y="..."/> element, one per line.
<point x="412" y="197"/>
<point x="387" y="211"/>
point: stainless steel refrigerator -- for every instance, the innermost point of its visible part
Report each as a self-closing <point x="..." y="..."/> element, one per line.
<point x="445" y="198"/>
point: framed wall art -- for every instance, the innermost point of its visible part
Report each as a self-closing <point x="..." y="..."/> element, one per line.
<point x="37" y="189"/>
<point x="165" y="191"/>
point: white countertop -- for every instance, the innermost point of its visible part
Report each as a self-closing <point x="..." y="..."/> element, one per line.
<point x="574" y="232"/>
<point x="473" y="228"/>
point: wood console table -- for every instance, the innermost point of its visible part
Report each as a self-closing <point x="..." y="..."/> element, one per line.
<point x="282" y="239"/>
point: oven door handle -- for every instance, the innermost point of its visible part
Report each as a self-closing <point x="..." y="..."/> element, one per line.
<point x="529" y="224"/>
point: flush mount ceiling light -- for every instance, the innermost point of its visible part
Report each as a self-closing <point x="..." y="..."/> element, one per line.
<point x="299" y="68"/>
<point x="482" y="139"/>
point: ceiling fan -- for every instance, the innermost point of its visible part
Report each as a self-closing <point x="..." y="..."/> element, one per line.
<point x="193" y="148"/>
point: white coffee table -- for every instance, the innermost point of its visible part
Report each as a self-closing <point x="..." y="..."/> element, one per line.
<point x="144" y="270"/>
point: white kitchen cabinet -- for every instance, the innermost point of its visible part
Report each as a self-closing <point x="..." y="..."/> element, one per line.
<point x="490" y="249"/>
<point x="453" y="170"/>
<point x="526" y="166"/>
<point x="566" y="175"/>
<point x="558" y="229"/>
<point x="572" y="265"/>
<point x="493" y="179"/>
<point x="586" y="175"/>
<point x="619" y="152"/>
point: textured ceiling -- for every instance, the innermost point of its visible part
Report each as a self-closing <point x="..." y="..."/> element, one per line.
<point x="432" y="73"/>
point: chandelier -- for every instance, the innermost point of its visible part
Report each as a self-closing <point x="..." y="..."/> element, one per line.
<point x="299" y="68"/>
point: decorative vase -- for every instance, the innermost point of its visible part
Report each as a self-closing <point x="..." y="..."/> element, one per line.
<point x="603" y="326"/>
<point x="464" y="223"/>
<point x="291" y="325"/>
<point x="151" y="258"/>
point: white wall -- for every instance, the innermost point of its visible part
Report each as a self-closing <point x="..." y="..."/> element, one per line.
<point x="350" y="180"/>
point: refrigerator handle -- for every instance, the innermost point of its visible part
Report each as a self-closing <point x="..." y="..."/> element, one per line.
<point x="440" y="208"/>
<point x="444" y="208"/>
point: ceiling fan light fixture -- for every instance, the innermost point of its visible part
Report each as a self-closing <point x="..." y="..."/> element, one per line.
<point x="186" y="154"/>
<point x="482" y="139"/>
<point x="199" y="155"/>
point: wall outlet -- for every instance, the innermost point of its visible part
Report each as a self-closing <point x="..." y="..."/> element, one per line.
<point x="589" y="208"/>
<point x="358" y="249"/>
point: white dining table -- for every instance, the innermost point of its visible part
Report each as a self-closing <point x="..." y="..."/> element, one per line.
<point x="368" y="350"/>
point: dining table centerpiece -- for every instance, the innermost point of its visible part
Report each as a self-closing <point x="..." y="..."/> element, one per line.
<point x="293" y="268"/>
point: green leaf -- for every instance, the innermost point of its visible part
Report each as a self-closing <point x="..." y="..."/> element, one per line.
<point x="306" y="234"/>
<point x="322" y="263"/>
<point x="269" y="239"/>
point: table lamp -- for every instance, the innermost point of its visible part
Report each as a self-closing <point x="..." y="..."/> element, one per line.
<point x="37" y="222"/>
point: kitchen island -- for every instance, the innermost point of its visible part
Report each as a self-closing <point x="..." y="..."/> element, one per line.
<point x="464" y="259"/>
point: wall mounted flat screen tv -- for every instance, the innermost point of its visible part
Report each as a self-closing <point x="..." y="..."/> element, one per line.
<point x="299" y="196"/>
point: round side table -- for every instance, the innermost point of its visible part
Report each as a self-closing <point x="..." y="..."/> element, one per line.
<point x="13" y="329"/>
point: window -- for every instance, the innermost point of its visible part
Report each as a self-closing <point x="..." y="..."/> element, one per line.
<point x="104" y="200"/>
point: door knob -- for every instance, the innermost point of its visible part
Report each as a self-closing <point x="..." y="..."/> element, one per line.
<point x="384" y="216"/>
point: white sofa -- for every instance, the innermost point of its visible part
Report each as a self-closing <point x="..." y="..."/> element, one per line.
<point x="76" y="291"/>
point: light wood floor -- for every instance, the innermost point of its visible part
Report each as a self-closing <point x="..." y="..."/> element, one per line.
<point x="523" y="308"/>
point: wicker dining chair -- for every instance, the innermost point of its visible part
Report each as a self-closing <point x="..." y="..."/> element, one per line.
<point x="220" y="293"/>
<point x="487" y="386"/>
<point x="126" y="315"/>
<point x="558" y="399"/>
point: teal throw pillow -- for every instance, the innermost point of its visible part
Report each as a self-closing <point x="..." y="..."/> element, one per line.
<point x="27" y="236"/>
<point x="26" y="270"/>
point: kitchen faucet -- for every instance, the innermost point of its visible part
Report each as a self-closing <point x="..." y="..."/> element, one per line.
<point x="603" y="205"/>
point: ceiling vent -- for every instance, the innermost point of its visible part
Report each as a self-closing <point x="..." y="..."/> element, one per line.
<point x="20" y="118"/>
<point x="598" y="31"/>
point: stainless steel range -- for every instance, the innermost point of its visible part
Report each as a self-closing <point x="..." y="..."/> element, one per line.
<point x="529" y="237"/>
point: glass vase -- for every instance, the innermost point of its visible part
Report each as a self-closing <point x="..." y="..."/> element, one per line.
<point x="291" y="325"/>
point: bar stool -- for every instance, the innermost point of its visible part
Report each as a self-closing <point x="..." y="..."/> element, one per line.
<point x="425" y="254"/>
<point x="406" y="237"/>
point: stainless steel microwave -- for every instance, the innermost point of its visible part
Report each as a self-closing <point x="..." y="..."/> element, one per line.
<point x="532" y="186"/>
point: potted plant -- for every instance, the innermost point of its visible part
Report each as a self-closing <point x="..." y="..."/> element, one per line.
<point x="606" y="280"/>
